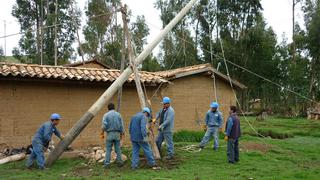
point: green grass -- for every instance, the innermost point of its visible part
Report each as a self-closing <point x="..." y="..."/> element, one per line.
<point x="296" y="157"/>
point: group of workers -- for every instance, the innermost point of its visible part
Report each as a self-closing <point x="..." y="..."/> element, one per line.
<point x="113" y="126"/>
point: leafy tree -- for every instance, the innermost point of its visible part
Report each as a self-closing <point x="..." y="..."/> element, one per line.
<point x="29" y="13"/>
<point x="312" y="23"/>
<point x="1" y="53"/>
<point x="16" y="53"/>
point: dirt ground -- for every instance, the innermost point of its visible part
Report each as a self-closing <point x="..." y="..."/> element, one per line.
<point x="251" y="146"/>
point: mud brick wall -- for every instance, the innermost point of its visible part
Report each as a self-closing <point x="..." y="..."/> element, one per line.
<point x="25" y="105"/>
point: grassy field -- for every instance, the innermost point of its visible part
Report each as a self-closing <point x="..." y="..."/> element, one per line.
<point x="292" y="153"/>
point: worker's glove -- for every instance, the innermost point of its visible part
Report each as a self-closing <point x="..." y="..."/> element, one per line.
<point x="102" y="135"/>
<point x="160" y="128"/>
<point x="145" y="139"/>
<point x="62" y="137"/>
<point x="204" y="127"/>
<point x="220" y="130"/>
<point x="121" y="136"/>
<point x="154" y="120"/>
<point x="226" y="138"/>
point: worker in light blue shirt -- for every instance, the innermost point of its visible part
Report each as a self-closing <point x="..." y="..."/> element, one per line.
<point x="112" y="124"/>
<point x="41" y="140"/>
<point x="139" y="138"/>
<point x="165" y="118"/>
<point x="214" y="122"/>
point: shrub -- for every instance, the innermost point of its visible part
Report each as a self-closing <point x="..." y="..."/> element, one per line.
<point x="275" y="134"/>
<point x="188" y="136"/>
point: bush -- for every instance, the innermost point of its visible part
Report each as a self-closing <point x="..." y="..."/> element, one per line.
<point x="188" y="136"/>
<point x="275" y="134"/>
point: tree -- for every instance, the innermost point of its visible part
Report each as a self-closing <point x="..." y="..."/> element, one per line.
<point x="312" y="23"/>
<point x="1" y="53"/>
<point x="37" y="19"/>
<point x="16" y="53"/>
<point x="178" y="47"/>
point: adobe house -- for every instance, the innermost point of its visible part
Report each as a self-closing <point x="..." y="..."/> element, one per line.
<point x="30" y="93"/>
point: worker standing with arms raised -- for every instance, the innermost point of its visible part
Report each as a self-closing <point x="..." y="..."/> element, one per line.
<point x="112" y="124"/>
<point x="233" y="132"/>
<point x="213" y="122"/>
<point x="139" y="138"/>
<point x="41" y="140"/>
<point x="166" y="123"/>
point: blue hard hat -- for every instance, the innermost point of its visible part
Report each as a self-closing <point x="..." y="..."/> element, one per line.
<point x="55" y="116"/>
<point x="214" y="105"/>
<point x="166" y="100"/>
<point x="147" y="110"/>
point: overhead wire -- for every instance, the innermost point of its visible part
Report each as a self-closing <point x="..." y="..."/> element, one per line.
<point x="245" y="69"/>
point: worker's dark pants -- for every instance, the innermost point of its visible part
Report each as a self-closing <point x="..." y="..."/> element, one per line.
<point x="233" y="150"/>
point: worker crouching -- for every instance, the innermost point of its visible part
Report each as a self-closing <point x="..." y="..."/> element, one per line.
<point x="41" y="140"/>
<point x="166" y="123"/>
<point x="213" y="122"/>
<point x="233" y="132"/>
<point x="112" y="124"/>
<point x="139" y="138"/>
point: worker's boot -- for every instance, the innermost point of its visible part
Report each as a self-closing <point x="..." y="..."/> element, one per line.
<point x="169" y="157"/>
<point x="120" y="164"/>
<point x="155" y="167"/>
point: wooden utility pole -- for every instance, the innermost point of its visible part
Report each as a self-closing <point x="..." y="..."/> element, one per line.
<point x="73" y="16"/>
<point x="55" y="34"/>
<point x="5" y="38"/>
<point x="293" y="33"/>
<point x="41" y="35"/>
<point x="110" y="92"/>
<point x="123" y="57"/>
<point x="131" y="58"/>
<point x="142" y="98"/>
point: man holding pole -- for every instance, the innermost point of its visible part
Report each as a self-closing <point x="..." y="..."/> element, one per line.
<point x="41" y="140"/>
<point x="166" y="124"/>
<point x="139" y="138"/>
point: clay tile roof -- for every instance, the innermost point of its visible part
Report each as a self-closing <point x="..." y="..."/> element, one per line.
<point x="71" y="73"/>
<point x="196" y="69"/>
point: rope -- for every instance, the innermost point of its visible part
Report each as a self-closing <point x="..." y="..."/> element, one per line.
<point x="235" y="94"/>
<point x="191" y="148"/>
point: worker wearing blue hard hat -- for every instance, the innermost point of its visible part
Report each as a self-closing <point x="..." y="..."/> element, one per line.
<point x="41" y="140"/>
<point x="139" y="138"/>
<point x="213" y="122"/>
<point x="166" y="123"/>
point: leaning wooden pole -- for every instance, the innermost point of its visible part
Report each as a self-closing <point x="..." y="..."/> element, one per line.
<point x="108" y="94"/>
<point x="134" y="67"/>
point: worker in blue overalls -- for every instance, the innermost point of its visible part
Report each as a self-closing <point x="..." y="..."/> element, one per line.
<point x="41" y="140"/>
<point x="166" y="125"/>
<point x="213" y="122"/>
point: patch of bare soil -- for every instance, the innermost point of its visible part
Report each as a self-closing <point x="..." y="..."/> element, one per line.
<point x="81" y="171"/>
<point x="163" y="163"/>
<point x="250" y="146"/>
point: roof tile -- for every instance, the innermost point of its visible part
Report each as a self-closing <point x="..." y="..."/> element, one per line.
<point x="73" y="73"/>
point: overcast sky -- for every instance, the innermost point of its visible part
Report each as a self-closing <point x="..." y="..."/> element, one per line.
<point x="278" y="14"/>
